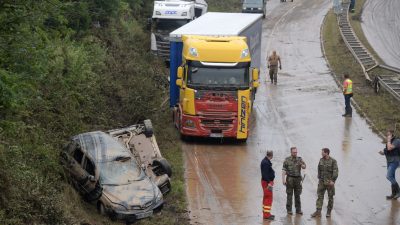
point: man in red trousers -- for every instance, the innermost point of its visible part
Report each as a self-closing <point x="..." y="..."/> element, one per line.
<point x="267" y="182"/>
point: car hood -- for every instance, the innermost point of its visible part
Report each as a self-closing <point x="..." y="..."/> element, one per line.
<point x="137" y="193"/>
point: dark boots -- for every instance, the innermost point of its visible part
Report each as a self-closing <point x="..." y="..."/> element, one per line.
<point x="395" y="192"/>
<point x="328" y="213"/>
<point x="316" y="213"/>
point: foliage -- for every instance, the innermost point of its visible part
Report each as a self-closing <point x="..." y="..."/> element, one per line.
<point x="67" y="67"/>
<point x="380" y="109"/>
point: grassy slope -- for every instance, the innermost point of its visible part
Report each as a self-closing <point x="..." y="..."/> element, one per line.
<point x="380" y="109"/>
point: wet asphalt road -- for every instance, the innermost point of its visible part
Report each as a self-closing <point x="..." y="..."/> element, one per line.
<point x="381" y="25"/>
<point x="303" y="110"/>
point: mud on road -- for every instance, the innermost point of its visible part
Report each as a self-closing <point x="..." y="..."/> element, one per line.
<point x="303" y="110"/>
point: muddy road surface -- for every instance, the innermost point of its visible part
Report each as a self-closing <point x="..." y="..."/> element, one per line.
<point x="381" y="25"/>
<point x="303" y="110"/>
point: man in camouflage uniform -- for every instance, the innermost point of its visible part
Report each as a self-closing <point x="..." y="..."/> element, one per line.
<point x="273" y="61"/>
<point x="291" y="177"/>
<point x="327" y="175"/>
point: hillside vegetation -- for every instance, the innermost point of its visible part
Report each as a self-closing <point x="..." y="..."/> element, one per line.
<point x="70" y="66"/>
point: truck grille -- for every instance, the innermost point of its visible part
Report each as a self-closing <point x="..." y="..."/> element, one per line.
<point x="217" y="120"/>
<point x="163" y="48"/>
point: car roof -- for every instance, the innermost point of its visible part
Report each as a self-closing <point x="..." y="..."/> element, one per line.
<point x="101" y="147"/>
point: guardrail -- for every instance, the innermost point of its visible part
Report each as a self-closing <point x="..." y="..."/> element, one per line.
<point x="367" y="62"/>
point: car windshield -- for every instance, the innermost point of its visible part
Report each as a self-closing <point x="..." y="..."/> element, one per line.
<point x="169" y="25"/>
<point x="218" y="77"/>
<point x="120" y="171"/>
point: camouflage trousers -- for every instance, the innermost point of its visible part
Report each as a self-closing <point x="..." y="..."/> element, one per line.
<point x="293" y="186"/>
<point x="273" y="73"/>
<point x="322" y="187"/>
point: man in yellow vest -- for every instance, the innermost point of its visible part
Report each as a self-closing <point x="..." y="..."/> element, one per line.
<point x="348" y="93"/>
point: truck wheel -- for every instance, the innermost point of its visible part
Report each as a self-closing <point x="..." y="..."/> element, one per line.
<point x="242" y="140"/>
<point x="161" y="166"/>
<point x="148" y="128"/>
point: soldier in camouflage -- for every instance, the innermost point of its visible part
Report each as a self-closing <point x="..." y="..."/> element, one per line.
<point x="291" y="177"/>
<point x="327" y="175"/>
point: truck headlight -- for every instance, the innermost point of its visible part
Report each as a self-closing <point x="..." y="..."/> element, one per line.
<point x="193" y="52"/>
<point x="184" y="14"/>
<point x="245" y="53"/>
<point x="189" y="123"/>
<point x="158" y="13"/>
<point x="244" y="8"/>
<point x="259" y="8"/>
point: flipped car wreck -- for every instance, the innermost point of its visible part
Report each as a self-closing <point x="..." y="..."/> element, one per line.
<point x="121" y="171"/>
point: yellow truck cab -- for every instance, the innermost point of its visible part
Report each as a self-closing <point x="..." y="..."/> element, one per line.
<point x="214" y="75"/>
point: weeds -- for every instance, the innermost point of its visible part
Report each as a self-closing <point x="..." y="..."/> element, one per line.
<point x="381" y="109"/>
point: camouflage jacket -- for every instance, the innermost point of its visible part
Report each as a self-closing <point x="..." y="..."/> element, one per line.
<point x="292" y="166"/>
<point x="327" y="169"/>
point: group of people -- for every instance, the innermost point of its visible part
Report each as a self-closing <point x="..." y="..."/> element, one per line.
<point x="293" y="180"/>
<point x="274" y="62"/>
<point x="327" y="175"/>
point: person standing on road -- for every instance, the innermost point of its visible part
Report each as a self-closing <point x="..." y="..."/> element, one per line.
<point x="392" y="153"/>
<point x="327" y="174"/>
<point x="291" y="178"/>
<point x="348" y="93"/>
<point x="267" y="183"/>
<point x="273" y="61"/>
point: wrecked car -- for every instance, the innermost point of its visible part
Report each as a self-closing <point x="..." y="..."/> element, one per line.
<point x="122" y="171"/>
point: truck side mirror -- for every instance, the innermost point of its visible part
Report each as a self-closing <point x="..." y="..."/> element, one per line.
<point x="179" y="82"/>
<point x="256" y="84"/>
<point x="255" y="74"/>
<point x="180" y="72"/>
<point x="149" y="22"/>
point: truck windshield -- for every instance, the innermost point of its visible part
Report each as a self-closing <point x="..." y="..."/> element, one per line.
<point x="202" y="77"/>
<point x="169" y="25"/>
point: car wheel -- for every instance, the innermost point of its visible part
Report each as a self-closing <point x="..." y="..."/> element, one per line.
<point x="101" y="208"/>
<point x="148" y="128"/>
<point x="161" y="166"/>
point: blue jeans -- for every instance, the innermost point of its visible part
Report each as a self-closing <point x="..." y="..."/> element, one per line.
<point x="352" y="4"/>
<point x="348" y="108"/>
<point x="391" y="171"/>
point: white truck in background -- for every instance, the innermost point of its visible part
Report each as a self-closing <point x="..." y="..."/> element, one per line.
<point x="169" y="15"/>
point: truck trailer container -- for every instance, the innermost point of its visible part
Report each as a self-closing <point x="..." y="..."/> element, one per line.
<point x="214" y="70"/>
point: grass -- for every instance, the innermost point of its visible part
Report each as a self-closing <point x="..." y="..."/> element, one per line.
<point x="381" y="109"/>
<point x="355" y="21"/>
<point x="224" y="6"/>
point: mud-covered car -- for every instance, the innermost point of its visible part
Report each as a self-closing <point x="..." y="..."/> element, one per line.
<point x="121" y="170"/>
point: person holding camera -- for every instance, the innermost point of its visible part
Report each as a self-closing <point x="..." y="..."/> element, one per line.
<point x="392" y="153"/>
<point x="267" y="183"/>
<point x="291" y="178"/>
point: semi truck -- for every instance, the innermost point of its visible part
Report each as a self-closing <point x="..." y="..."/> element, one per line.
<point x="254" y="6"/>
<point x="169" y="15"/>
<point x="214" y="71"/>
